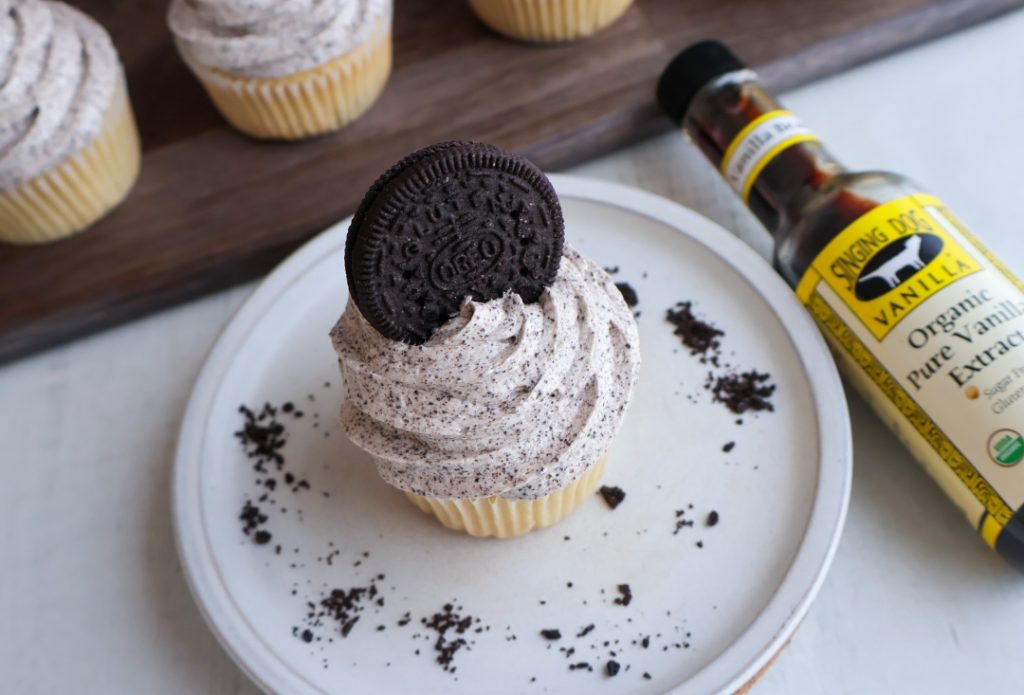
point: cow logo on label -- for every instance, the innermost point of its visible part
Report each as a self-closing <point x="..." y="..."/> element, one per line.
<point x="896" y="263"/>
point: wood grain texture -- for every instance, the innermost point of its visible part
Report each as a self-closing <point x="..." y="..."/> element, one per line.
<point x="213" y="208"/>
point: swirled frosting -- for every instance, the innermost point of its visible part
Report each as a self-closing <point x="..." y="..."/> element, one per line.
<point x="58" y="71"/>
<point x="505" y="398"/>
<point x="271" y="38"/>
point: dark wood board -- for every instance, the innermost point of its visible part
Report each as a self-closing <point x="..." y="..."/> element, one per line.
<point x="213" y="208"/>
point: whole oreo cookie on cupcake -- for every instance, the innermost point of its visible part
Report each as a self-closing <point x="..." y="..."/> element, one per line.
<point x="487" y="364"/>
<point x="286" y="69"/>
<point x="69" y="149"/>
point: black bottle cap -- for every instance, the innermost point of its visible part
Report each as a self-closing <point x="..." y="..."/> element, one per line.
<point x="689" y="71"/>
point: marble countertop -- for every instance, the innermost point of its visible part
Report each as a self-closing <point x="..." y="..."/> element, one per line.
<point x="92" y="598"/>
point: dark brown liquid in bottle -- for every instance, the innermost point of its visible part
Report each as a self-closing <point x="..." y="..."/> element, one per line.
<point x="804" y="197"/>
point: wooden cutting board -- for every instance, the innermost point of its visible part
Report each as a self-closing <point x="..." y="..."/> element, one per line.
<point x="213" y="208"/>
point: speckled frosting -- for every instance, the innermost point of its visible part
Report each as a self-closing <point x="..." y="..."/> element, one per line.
<point x="506" y="398"/>
<point x="58" y="72"/>
<point x="271" y="38"/>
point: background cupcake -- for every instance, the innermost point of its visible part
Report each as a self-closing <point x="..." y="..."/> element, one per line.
<point x="498" y="419"/>
<point x="549" y="20"/>
<point x="286" y="68"/>
<point x="69" y="149"/>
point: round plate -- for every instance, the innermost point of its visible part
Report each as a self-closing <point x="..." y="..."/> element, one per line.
<point x="716" y="602"/>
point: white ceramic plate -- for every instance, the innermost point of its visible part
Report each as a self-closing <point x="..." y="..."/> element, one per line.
<point x="781" y="493"/>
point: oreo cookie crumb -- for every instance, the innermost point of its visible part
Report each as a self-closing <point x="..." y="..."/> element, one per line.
<point x="307" y="635"/>
<point x="681" y="521"/>
<point x="551" y="634"/>
<point x="628" y="294"/>
<point x="611" y="269"/>
<point x="252" y="520"/>
<point x="712" y="518"/>
<point x="625" y="595"/>
<point x="449" y="620"/>
<point x="743" y="392"/>
<point x="702" y="338"/>
<point x="586" y="630"/>
<point x="728" y="446"/>
<point x="338" y="607"/>
<point x="262" y="437"/>
<point x="739" y="391"/>
<point x="344" y="606"/>
<point x="647" y="676"/>
<point x="581" y="666"/>
<point x="612" y="496"/>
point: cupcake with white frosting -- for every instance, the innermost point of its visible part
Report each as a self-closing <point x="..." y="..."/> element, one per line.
<point x="496" y="417"/>
<point x="286" y="69"/>
<point x="69" y="148"/>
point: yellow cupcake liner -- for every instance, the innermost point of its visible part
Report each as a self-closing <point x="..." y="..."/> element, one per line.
<point x="549" y="20"/>
<point x="308" y="103"/>
<point x="74" y="194"/>
<point x="508" y="518"/>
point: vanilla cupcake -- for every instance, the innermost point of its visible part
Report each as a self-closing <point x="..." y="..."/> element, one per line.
<point x="286" y="69"/>
<point x="549" y="20"/>
<point x="487" y="365"/>
<point x="69" y="149"/>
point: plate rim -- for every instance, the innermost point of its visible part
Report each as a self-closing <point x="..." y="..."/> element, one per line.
<point x="731" y="669"/>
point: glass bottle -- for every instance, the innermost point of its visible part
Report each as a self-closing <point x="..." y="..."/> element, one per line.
<point x="922" y="319"/>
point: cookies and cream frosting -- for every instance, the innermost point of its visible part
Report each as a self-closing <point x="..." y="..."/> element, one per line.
<point x="505" y="398"/>
<point x="58" y="73"/>
<point x="271" y="38"/>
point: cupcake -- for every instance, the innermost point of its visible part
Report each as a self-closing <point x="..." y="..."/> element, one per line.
<point x="69" y="149"/>
<point x="487" y="364"/>
<point x="286" y="69"/>
<point x="548" y="20"/>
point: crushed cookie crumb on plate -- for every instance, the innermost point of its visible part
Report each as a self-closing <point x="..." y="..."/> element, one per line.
<point x="690" y="585"/>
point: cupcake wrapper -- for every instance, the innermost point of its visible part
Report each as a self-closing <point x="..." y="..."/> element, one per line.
<point x="508" y="518"/>
<point x="308" y="103"/>
<point x="72" y="195"/>
<point x="548" y="20"/>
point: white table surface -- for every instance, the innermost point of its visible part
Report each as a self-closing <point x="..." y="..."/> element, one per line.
<point x="91" y="594"/>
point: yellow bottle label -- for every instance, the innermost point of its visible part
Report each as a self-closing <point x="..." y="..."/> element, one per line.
<point x="757" y="144"/>
<point x="929" y="326"/>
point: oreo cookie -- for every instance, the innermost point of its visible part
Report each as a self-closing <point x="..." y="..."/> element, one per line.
<point x="450" y="221"/>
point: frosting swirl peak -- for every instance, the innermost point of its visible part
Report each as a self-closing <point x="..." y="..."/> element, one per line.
<point x="506" y="398"/>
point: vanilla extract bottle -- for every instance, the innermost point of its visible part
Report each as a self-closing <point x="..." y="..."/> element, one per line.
<point x="922" y="319"/>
